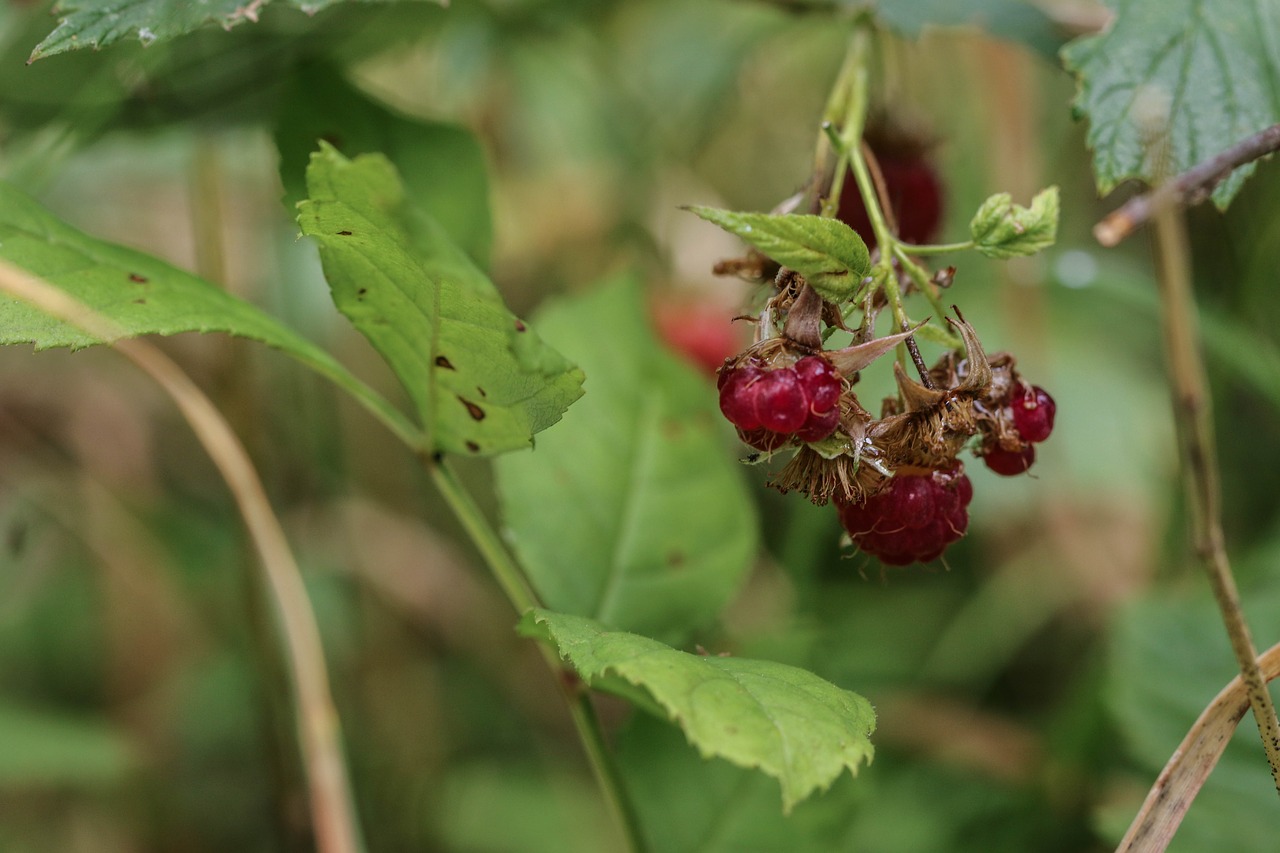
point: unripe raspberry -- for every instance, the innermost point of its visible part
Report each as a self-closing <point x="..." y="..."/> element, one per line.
<point x="1033" y="411"/>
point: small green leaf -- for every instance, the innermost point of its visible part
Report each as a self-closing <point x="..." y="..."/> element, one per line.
<point x="142" y="295"/>
<point x="629" y="511"/>
<point x="787" y="722"/>
<point x="442" y="165"/>
<point x="1207" y="70"/>
<point x="1002" y="229"/>
<point x="481" y="381"/>
<point x="97" y="23"/>
<point x="828" y="253"/>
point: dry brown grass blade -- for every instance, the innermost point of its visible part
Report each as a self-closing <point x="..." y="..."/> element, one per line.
<point x="333" y="815"/>
<point x="1181" y="779"/>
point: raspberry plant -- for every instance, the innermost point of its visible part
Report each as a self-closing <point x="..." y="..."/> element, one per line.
<point x="698" y="662"/>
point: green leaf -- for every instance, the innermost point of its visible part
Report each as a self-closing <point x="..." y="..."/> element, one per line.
<point x="784" y="721"/>
<point x="828" y="253"/>
<point x="630" y="511"/>
<point x="1014" y="20"/>
<point x="41" y="748"/>
<point x="1207" y="70"/>
<point x="143" y="296"/>
<point x="97" y="23"/>
<point x="1002" y="229"/>
<point x="442" y="165"/>
<point x="481" y="381"/>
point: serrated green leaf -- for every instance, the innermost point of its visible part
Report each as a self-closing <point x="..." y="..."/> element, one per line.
<point x="142" y="295"/>
<point x="1002" y="229"/>
<point x="784" y="721"/>
<point x="1208" y="71"/>
<point x="95" y="24"/>
<point x="827" y="252"/>
<point x="442" y="165"/>
<point x="481" y="381"/>
<point x="630" y="511"/>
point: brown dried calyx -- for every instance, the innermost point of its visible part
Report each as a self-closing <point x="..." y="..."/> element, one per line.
<point x="925" y="432"/>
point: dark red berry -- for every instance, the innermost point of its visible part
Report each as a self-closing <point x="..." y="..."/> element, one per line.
<point x="821" y="383"/>
<point x="780" y="401"/>
<point x="915" y="194"/>
<point x="1033" y="411"/>
<point x="737" y="400"/>
<point x="1009" y="463"/>
<point x="818" y="427"/>
<point x="913" y="519"/>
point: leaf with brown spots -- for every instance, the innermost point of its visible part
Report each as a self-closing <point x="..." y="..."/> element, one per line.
<point x="431" y="313"/>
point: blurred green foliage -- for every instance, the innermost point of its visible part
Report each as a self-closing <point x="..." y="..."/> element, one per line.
<point x="1027" y="693"/>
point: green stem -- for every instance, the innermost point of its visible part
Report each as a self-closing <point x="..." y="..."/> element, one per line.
<point x="938" y="249"/>
<point x="522" y="597"/>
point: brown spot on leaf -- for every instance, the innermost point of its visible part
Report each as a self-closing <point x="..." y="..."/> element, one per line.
<point x="441" y="361"/>
<point x="139" y="302"/>
<point x="475" y="411"/>
<point x="520" y="327"/>
<point x="344" y="233"/>
<point x="361" y="292"/>
<point x="137" y="279"/>
<point x="473" y="447"/>
<point x="675" y="559"/>
<point x="483" y="393"/>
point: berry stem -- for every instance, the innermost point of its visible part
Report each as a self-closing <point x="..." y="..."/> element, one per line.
<point x="522" y="597"/>
<point x="1191" y="413"/>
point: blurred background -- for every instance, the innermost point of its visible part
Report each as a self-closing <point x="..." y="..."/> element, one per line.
<point x="1027" y="691"/>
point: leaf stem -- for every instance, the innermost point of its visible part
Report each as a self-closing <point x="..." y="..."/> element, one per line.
<point x="522" y="597"/>
<point x="1191" y="412"/>
<point x="935" y="249"/>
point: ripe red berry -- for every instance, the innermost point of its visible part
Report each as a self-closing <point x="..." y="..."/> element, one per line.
<point x="913" y="519"/>
<point x="700" y="332"/>
<point x="915" y="194"/>
<point x="1008" y="463"/>
<point x="1033" y="411"/>
<point x="780" y="401"/>
<point x="803" y="400"/>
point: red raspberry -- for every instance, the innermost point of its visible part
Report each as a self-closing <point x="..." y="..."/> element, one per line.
<point x="1008" y="463"/>
<point x="803" y="400"/>
<point x="780" y="401"/>
<point x="700" y="331"/>
<point x="1033" y="411"/>
<point x="913" y="519"/>
<point x="915" y="193"/>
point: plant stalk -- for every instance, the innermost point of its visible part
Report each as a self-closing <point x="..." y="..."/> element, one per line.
<point x="332" y="807"/>
<point x="522" y="597"/>
<point x="1192" y="417"/>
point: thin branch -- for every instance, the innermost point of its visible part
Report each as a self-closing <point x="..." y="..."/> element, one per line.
<point x="1189" y="766"/>
<point x="1199" y="463"/>
<point x="1190" y="188"/>
<point x="332" y="810"/>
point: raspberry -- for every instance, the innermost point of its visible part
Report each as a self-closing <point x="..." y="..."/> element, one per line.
<point x="780" y="401"/>
<point x="699" y="331"/>
<point x="803" y="400"/>
<point x="914" y="191"/>
<point x="1008" y="463"/>
<point x="1033" y="411"/>
<point x="914" y="519"/>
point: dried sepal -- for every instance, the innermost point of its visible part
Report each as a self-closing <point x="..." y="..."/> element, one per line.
<point x="804" y="319"/>
<point x="851" y="359"/>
